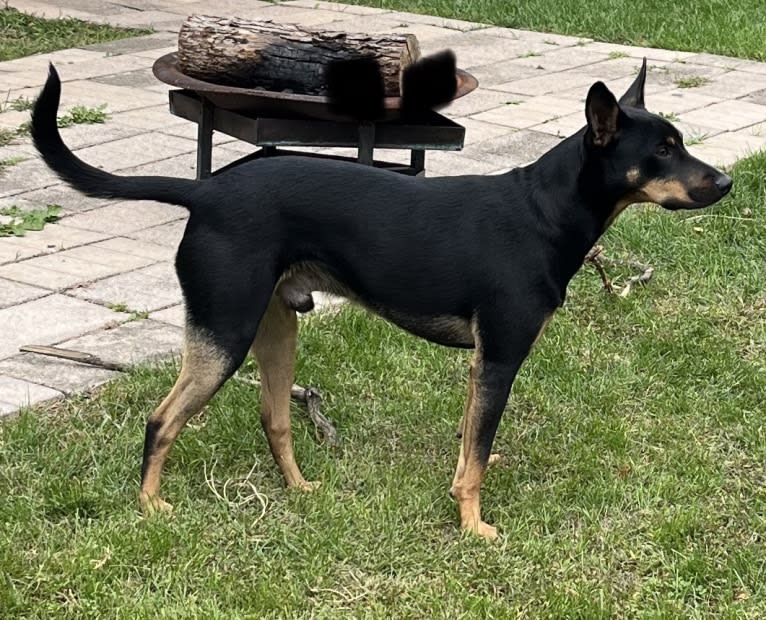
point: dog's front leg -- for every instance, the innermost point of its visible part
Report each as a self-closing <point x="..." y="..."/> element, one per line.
<point x="497" y="358"/>
<point x="489" y="386"/>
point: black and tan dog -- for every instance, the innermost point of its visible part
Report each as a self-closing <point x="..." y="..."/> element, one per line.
<point x="477" y="262"/>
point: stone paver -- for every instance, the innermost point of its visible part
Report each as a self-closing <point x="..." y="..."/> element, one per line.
<point x="121" y="218"/>
<point x="131" y="342"/>
<point x="15" y="293"/>
<point x="174" y="315"/>
<point x="20" y="393"/>
<point x="151" y="288"/>
<point x="56" y="374"/>
<point x="57" y="285"/>
<point x="53" y="238"/>
<point x="49" y="320"/>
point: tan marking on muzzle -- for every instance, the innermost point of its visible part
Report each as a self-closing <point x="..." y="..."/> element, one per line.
<point x="632" y="174"/>
<point x="661" y="191"/>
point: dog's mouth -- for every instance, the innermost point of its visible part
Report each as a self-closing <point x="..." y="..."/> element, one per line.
<point x="700" y="197"/>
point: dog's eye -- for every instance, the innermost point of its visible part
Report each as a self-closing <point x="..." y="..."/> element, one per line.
<point x="662" y="150"/>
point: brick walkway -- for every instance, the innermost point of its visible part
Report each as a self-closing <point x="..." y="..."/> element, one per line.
<point x="79" y="283"/>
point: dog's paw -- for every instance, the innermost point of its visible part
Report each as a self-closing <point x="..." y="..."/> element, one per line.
<point x="481" y="529"/>
<point x="154" y="505"/>
<point x="305" y="486"/>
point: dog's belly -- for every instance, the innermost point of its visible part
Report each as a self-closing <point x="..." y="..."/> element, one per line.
<point x="450" y="331"/>
<point x="298" y="282"/>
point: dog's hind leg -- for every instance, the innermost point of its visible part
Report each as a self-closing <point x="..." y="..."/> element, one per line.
<point x="222" y="319"/>
<point x="205" y="367"/>
<point x="274" y="350"/>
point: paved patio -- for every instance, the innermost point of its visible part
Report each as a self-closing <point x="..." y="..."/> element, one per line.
<point x="80" y="282"/>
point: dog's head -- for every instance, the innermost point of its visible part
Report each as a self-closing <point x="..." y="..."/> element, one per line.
<point x="642" y="155"/>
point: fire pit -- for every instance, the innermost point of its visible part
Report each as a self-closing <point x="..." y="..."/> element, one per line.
<point x="274" y="120"/>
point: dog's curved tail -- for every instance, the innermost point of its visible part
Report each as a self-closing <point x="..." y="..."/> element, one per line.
<point x="85" y="178"/>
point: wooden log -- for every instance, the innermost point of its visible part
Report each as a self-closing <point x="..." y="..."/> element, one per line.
<point x="283" y="57"/>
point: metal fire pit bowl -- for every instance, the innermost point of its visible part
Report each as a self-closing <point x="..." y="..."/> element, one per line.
<point x="275" y="104"/>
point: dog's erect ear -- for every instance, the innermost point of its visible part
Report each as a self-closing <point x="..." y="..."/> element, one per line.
<point x="602" y="113"/>
<point x="634" y="96"/>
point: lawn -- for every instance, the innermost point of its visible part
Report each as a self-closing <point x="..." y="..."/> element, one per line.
<point x="729" y="27"/>
<point x="632" y="483"/>
<point x="22" y="34"/>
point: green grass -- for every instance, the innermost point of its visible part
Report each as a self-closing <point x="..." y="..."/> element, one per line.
<point x="730" y="27"/>
<point x="9" y="163"/>
<point x="78" y="115"/>
<point x="670" y="116"/>
<point x="694" y="81"/>
<point x="22" y="34"/>
<point x="19" y="104"/>
<point x="632" y="484"/>
<point x="17" y="222"/>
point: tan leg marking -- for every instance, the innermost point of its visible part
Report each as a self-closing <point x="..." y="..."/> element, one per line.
<point x="460" y="469"/>
<point x="203" y="368"/>
<point x="274" y="350"/>
<point x="466" y="485"/>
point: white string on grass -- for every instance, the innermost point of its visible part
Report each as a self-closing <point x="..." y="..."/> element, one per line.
<point x="244" y="490"/>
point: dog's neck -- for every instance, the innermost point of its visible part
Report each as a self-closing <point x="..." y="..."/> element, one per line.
<point x="573" y="211"/>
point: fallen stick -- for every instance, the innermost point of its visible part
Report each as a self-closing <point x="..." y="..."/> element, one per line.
<point x="597" y="258"/>
<point x="309" y="396"/>
<point x="74" y="356"/>
<point x="594" y="258"/>
<point x="312" y="399"/>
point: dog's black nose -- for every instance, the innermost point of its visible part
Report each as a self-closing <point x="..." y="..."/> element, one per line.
<point x="724" y="183"/>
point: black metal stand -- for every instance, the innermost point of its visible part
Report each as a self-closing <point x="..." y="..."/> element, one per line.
<point x="434" y="132"/>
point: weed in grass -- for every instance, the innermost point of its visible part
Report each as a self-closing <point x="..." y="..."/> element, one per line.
<point x="16" y="222"/>
<point x="669" y="116"/>
<point x="24" y="129"/>
<point x="80" y="114"/>
<point x="692" y="139"/>
<point x="21" y="104"/>
<point x="6" y="136"/>
<point x="9" y="162"/>
<point x="135" y="315"/>
<point x="693" y="81"/>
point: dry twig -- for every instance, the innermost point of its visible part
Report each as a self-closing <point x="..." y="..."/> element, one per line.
<point x="597" y="258"/>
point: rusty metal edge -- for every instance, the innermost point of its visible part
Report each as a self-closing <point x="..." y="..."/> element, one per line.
<point x="166" y="70"/>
